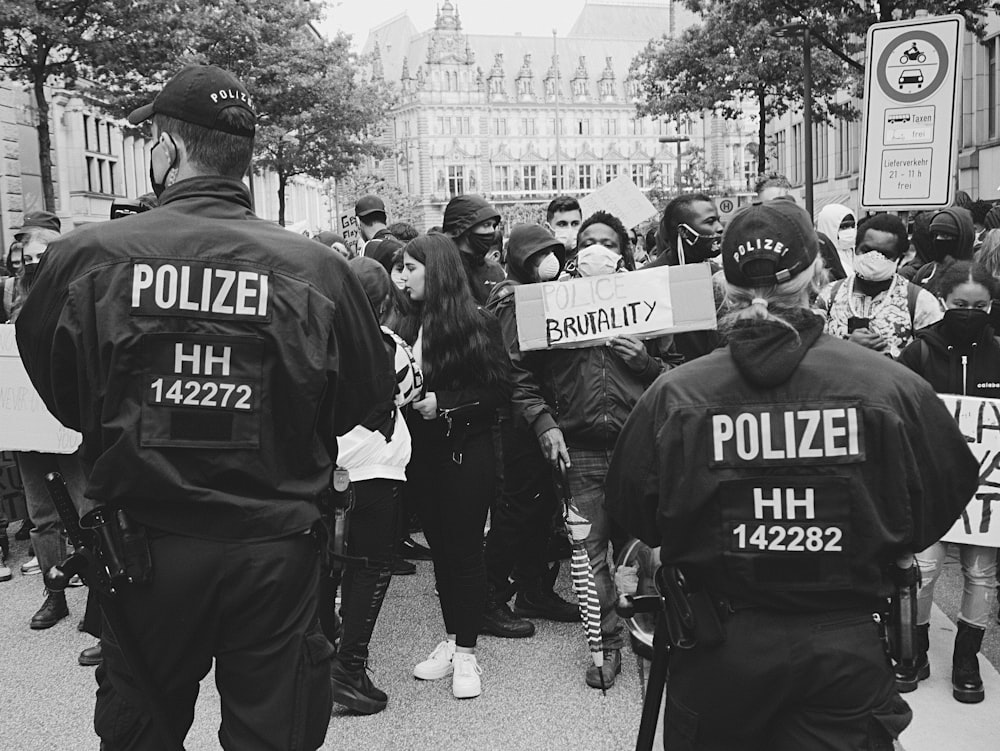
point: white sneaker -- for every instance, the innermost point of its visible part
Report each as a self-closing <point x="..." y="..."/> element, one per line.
<point x="5" y="574"/>
<point x="465" y="683"/>
<point x="31" y="567"/>
<point x="438" y="663"/>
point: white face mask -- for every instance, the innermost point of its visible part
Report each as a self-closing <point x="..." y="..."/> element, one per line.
<point x="567" y="237"/>
<point x="548" y="268"/>
<point x="874" y="267"/>
<point x="596" y="260"/>
<point x="846" y="239"/>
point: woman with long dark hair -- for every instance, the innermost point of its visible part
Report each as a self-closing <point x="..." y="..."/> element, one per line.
<point x="460" y="349"/>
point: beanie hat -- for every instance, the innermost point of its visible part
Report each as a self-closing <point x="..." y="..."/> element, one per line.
<point x="768" y="243"/>
<point x="946" y="223"/>
<point x="467" y="211"/>
<point x="992" y="220"/>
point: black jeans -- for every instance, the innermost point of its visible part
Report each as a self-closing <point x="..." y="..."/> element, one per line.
<point x="251" y="607"/>
<point x="522" y="524"/>
<point x="455" y="489"/>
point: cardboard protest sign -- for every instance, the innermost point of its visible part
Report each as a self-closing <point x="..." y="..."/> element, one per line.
<point x="621" y="198"/>
<point x="588" y="311"/>
<point x="979" y="421"/>
<point x="349" y="231"/>
<point x="25" y="423"/>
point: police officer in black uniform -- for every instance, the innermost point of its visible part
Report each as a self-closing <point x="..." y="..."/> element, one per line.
<point x="210" y="359"/>
<point x="782" y="476"/>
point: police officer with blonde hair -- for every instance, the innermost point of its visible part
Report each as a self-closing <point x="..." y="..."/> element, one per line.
<point x="782" y="489"/>
<point x="210" y="359"/>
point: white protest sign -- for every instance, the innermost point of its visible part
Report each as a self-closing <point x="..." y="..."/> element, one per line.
<point x="588" y="311"/>
<point x="979" y="421"/>
<point x="622" y="199"/>
<point x="25" y="423"/>
<point x="349" y="231"/>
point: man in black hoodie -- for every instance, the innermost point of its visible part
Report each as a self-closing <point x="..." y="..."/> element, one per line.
<point x="472" y="223"/>
<point x="520" y="528"/>
<point x="783" y="487"/>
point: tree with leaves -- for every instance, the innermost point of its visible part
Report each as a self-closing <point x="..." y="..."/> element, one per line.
<point x="44" y="43"/>
<point x="732" y="57"/>
<point x="400" y="206"/>
<point x="729" y="59"/>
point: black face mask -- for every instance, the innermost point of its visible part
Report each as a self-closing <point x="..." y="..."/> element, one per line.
<point x="28" y="271"/>
<point x="698" y="247"/>
<point x="161" y="185"/>
<point x="965" y="325"/>
<point x="480" y="244"/>
<point x="945" y="248"/>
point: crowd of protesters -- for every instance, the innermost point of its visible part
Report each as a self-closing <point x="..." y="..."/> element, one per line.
<point x="479" y="429"/>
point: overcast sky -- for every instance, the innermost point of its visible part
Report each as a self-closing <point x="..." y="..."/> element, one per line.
<point x="530" y="17"/>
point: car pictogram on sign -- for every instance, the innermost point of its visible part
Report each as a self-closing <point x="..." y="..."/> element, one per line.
<point x="911" y="76"/>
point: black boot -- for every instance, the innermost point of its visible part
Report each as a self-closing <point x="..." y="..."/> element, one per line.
<point x="966" y="683"/>
<point x="907" y="678"/>
<point x="363" y="591"/>
<point x="499" y="620"/>
<point x="537" y="599"/>
<point x="52" y="611"/>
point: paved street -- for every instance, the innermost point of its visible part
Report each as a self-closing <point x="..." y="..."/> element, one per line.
<point x="534" y="695"/>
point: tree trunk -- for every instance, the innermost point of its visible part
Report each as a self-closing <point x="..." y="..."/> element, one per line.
<point x="761" y="132"/>
<point x="282" y="182"/>
<point x="44" y="141"/>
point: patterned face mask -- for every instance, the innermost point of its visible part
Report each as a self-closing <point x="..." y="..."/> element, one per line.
<point x="874" y="267"/>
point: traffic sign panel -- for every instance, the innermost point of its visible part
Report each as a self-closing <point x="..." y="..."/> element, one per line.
<point x="912" y="73"/>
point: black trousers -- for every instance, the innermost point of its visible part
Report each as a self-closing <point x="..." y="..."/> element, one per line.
<point x="251" y="607"/>
<point x="373" y="523"/>
<point x="455" y="486"/>
<point x="785" y="682"/>
<point x="522" y="522"/>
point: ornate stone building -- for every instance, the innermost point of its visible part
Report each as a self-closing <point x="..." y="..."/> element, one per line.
<point x="520" y="119"/>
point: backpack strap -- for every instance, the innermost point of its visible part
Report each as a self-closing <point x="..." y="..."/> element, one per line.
<point x="912" y="293"/>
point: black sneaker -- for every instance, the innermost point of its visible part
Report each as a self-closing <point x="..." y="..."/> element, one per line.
<point x="402" y="567"/>
<point x="540" y="603"/>
<point x="355" y="690"/>
<point x="498" y="620"/>
<point x="412" y="550"/>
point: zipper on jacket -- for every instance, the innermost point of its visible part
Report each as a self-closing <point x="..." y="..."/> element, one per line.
<point x="446" y="414"/>
<point x="965" y="375"/>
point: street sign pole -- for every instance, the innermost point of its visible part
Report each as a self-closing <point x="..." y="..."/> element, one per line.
<point x="909" y="145"/>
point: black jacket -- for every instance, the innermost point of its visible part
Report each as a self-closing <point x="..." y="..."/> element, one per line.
<point x="210" y="359"/>
<point x="967" y="370"/>
<point x="772" y="472"/>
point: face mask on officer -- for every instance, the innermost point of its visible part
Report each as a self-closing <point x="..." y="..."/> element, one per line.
<point x="547" y="268"/>
<point x="567" y="237"/>
<point x="695" y="247"/>
<point x="874" y="266"/>
<point x="160" y="185"/>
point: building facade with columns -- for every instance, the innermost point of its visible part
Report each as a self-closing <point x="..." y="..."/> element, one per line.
<point x="97" y="159"/>
<point x="521" y="119"/>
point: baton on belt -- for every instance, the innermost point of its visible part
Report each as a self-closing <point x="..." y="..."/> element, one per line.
<point x="903" y="611"/>
<point x="96" y="559"/>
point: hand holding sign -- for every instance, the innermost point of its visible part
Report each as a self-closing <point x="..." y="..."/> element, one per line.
<point x="631" y="350"/>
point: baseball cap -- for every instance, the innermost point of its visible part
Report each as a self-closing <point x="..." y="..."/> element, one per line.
<point x="198" y="94"/>
<point x="768" y="243"/>
<point x="39" y="219"/>
<point x="467" y="211"/>
<point x="368" y="205"/>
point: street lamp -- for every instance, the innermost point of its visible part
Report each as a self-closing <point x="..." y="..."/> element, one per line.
<point x="788" y="31"/>
<point x="678" y="140"/>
